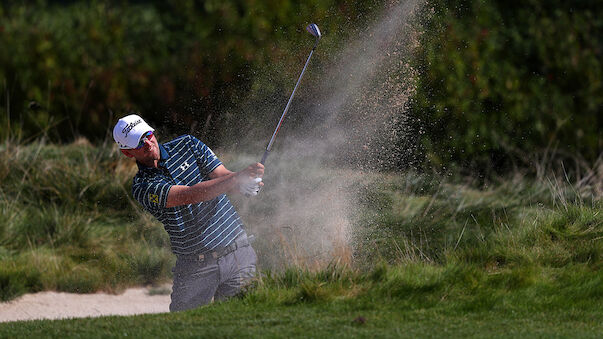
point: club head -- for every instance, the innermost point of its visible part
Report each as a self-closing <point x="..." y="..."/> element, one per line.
<point x="313" y="29"/>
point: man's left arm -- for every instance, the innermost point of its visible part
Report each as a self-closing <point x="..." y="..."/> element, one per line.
<point x="221" y="171"/>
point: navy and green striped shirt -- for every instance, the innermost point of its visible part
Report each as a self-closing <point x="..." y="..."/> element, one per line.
<point x="195" y="228"/>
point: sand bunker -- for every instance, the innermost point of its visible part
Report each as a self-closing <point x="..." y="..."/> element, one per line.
<point x="54" y="305"/>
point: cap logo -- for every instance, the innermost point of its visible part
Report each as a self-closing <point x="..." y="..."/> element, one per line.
<point x="130" y="126"/>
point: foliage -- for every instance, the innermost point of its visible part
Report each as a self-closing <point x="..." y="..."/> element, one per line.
<point x="497" y="80"/>
<point x="68" y="69"/>
<point x="503" y="79"/>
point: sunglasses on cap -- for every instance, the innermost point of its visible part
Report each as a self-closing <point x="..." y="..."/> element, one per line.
<point x="147" y="135"/>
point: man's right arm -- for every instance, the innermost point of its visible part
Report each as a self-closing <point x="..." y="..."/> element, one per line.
<point x="207" y="190"/>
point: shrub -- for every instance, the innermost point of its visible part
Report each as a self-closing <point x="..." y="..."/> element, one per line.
<point x="500" y="80"/>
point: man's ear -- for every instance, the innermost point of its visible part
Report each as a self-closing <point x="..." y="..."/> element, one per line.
<point x="126" y="153"/>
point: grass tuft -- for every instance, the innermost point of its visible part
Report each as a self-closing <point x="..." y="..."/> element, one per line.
<point x="15" y="282"/>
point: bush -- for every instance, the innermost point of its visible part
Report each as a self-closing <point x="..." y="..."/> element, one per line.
<point x="68" y="68"/>
<point x="500" y="80"/>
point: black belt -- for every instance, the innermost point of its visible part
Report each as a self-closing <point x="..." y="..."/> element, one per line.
<point x="239" y="242"/>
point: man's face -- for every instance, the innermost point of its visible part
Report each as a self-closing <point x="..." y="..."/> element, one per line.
<point x="148" y="154"/>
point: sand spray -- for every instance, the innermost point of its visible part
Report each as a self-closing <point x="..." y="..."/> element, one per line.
<point x="304" y="217"/>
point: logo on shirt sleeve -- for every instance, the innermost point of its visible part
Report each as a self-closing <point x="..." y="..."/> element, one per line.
<point x="154" y="198"/>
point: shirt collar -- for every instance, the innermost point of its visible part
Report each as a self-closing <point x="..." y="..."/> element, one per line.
<point x="163" y="155"/>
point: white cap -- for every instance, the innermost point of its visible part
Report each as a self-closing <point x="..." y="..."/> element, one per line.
<point x="128" y="130"/>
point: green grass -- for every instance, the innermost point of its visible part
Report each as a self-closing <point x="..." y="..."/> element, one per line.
<point x="420" y="300"/>
<point x="512" y="223"/>
<point x="431" y="256"/>
<point x="70" y="225"/>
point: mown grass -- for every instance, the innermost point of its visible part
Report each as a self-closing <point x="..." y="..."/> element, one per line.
<point x="416" y="300"/>
<point x="430" y="255"/>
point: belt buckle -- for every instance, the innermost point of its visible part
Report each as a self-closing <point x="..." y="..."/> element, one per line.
<point x="213" y="254"/>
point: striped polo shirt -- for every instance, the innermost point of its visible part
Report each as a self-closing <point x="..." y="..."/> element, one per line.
<point x="195" y="228"/>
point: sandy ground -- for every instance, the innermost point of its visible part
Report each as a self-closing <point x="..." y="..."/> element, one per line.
<point x="54" y="305"/>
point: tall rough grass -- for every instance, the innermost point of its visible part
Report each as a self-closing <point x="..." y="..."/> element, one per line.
<point x="429" y="219"/>
<point x="520" y="245"/>
<point x="67" y="223"/>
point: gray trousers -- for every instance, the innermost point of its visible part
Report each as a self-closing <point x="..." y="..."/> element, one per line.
<point x="197" y="282"/>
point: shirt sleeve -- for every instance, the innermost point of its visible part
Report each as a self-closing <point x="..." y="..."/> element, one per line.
<point x="206" y="158"/>
<point x="151" y="194"/>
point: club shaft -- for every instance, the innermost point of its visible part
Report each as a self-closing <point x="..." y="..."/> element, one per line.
<point x="269" y="147"/>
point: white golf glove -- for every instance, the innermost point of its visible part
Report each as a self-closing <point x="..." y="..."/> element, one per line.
<point x="251" y="187"/>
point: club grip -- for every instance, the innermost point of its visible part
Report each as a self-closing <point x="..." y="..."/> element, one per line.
<point x="263" y="161"/>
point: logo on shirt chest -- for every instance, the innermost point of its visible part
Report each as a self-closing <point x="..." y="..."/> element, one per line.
<point x="184" y="166"/>
<point x="154" y="198"/>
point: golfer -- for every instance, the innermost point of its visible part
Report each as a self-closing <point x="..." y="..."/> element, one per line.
<point x="183" y="184"/>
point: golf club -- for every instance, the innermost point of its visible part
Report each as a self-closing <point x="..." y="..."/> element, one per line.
<point x="312" y="29"/>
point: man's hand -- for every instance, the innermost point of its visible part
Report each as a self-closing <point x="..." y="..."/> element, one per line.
<point x="252" y="187"/>
<point x="222" y="181"/>
<point x="253" y="171"/>
<point x="250" y="179"/>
